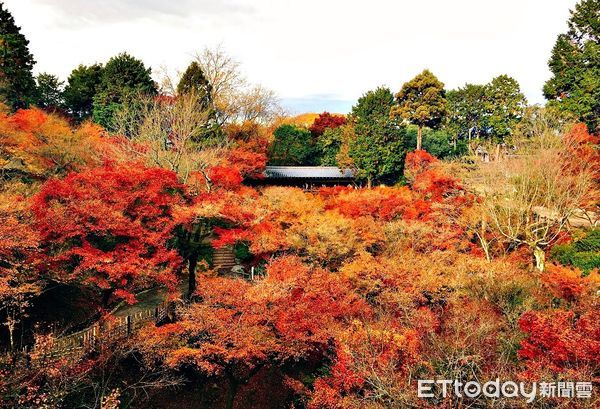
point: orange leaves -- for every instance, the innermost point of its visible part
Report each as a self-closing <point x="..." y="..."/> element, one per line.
<point x="561" y="342"/>
<point x="370" y="276"/>
<point x="416" y="163"/>
<point x="369" y="361"/>
<point x="17" y="238"/>
<point x="582" y="154"/>
<point x="225" y="177"/>
<point x="44" y="144"/>
<point x="428" y="178"/>
<point x="385" y="203"/>
<point x="250" y="164"/>
<point x="313" y="305"/>
<point x="567" y="283"/>
<point x="109" y="226"/>
<point x="290" y="219"/>
<point x="291" y="314"/>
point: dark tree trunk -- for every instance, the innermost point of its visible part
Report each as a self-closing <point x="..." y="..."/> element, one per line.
<point x="193" y="262"/>
<point x="231" y="392"/>
<point x="106" y="294"/>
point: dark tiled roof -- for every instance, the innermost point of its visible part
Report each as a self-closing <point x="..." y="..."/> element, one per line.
<point x="307" y="172"/>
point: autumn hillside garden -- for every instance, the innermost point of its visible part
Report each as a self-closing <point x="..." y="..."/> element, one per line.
<point x="468" y="247"/>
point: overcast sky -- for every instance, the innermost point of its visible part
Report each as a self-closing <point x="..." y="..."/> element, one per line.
<point x="315" y="54"/>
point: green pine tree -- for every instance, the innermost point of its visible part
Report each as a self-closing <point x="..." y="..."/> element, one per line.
<point x="17" y="86"/>
<point x="422" y="102"/>
<point x="82" y="86"/>
<point x="49" y="92"/>
<point x="575" y="65"/>
<point x="378" y="148"/>
<point x="124" y="77"/>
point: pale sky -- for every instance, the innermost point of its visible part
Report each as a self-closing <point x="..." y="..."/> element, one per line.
<point x="316" y="55"/>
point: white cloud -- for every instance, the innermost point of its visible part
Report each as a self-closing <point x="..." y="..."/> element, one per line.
<point x="303" y="49"/>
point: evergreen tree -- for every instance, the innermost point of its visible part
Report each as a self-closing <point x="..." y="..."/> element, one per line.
<point x="466" y="111"/>
<point x="293" y="145"/>
<point x="17" y="86"/>
<point x="504" y="104"/>
<point x="329" y="144"/>
<point x="123" y="77"/>
<point x="82" y="86"/>
<point x="378" y="147"/>
<point x="422" y="102"/>
<point x="49" y="92"/>
<point x="575" y="65"/>
<point x="194" y="80"/>
<point x="492" y="110"/>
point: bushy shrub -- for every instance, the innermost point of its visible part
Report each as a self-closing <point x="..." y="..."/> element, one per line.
<point x="591" y="242"/>
<point x="583" y="253"/>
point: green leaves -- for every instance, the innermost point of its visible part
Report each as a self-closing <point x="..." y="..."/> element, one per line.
<point x="17" y="86"/>
<point x="122" y="77"/>
<point x="49" y="91"/>
<point x="492" y="110"/>
<point x="81" y="87"/>
<point x="575" y="65"/>
<point x="422" y="101"/>
<point x="292" y="146"/>
<point x="504" y="106"/>
<point x="378" y="148"/>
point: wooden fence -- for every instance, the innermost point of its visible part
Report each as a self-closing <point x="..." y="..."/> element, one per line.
<point x="108" y="330"/>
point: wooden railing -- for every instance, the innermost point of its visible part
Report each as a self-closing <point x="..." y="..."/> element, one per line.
<point x="90" y="338"/>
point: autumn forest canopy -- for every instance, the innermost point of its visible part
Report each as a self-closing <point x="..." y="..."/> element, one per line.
<point x="148" y="260"/>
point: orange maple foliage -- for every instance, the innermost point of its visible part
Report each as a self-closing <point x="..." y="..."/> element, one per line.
<point x="237" y="328"/>
<point x="33" y="141"/>
<point x="109" y="227"/>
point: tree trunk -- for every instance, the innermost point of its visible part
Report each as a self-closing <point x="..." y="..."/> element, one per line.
<point x="369" y="182"/>
<point x="193" y="262"/>
<point x="540" y="258"/>
<point x="11" y="330"/>
<point x="106" y="294"/>
<point x="231" y="392"/>
<point x="420" y="138"/>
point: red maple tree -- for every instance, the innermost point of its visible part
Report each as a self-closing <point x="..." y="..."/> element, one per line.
<point x="110" y="227"/>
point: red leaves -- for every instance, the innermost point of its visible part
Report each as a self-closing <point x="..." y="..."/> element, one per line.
<point x="293" y="314"/>
<point x="565" y="282"/>
<point x="229" y="237"/>
<point x="225" y="177"/>
<point x="417" y="162"/>
<point x="560" y="341"/>
<point x="383" y="203"/>
<point x="315" y="303"/>
<point x="329" y="392"/>
<point x="365" y="357"/>
<point x="564" y="341"/>
<point x="326" y="121"/>
<point x="249" y="164"/>
<point x="109" y="226"/>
